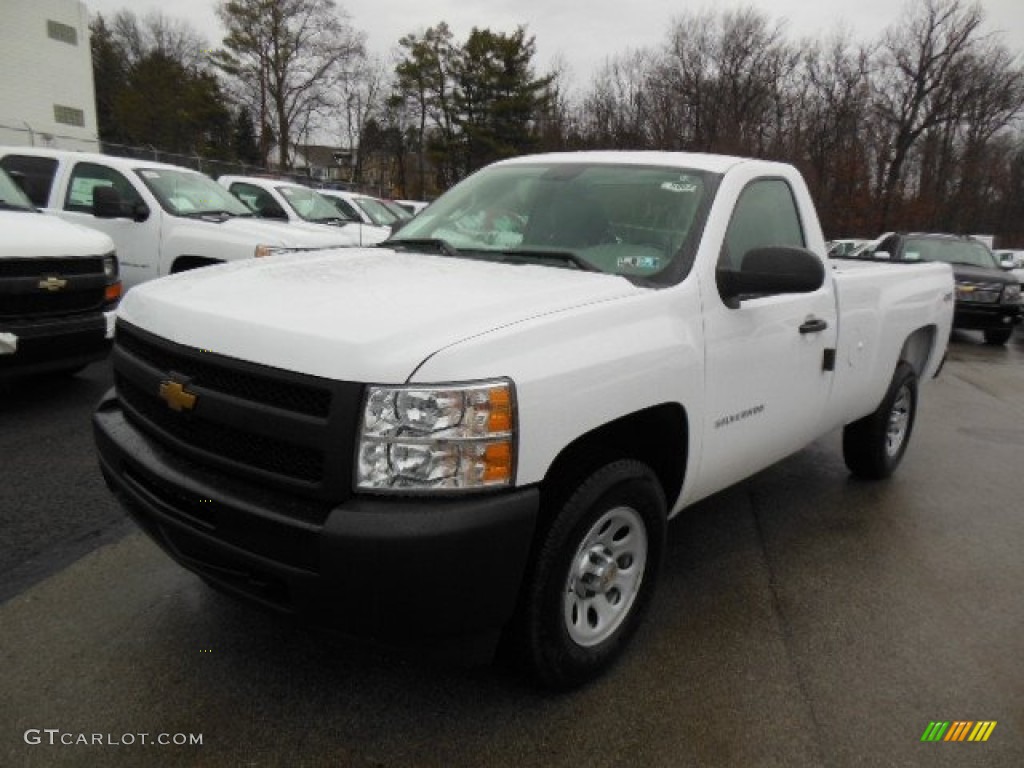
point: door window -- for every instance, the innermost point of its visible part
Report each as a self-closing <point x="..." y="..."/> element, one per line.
<point x="33" y="174"/>
<point x="765" y="215"/>
<point x="87" y="176"/>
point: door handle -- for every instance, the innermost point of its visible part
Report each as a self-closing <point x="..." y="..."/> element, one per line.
<point x="814" y="325"/>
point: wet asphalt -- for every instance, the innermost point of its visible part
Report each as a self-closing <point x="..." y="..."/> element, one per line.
<point x="803" y="619"/>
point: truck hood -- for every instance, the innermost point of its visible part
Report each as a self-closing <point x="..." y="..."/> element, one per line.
<point x="370" y="315"/>
<point x="286" y="235"/>
<point x="29" y="234"/>
<point x="966" y="274"/>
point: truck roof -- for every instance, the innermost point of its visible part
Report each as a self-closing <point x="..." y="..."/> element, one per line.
<point x="698" y="161"/>
<point x="121" y="163"/>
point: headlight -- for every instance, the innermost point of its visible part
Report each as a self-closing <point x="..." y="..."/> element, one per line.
<point x="1011" y="294"/>
<point x="110" y="267"/>
<point x="446" y="438"/>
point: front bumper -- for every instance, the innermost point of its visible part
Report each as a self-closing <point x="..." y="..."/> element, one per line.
<point x="397" y="569"/>
<point x="40" y="346"/>
<point x="986" y="317"/>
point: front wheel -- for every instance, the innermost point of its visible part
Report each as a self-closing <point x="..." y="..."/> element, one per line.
<point x="595" y="574"/>
<point x="998" y="336"/>
<point x="874" y="445"/>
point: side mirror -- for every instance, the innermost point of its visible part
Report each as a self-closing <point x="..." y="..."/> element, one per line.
<point x="881" y="256"/>
<point x="140" y="212"/>
<point x="1007" y="262"/>
<point x="771" y="270"/>
<point x="106" y="203"/>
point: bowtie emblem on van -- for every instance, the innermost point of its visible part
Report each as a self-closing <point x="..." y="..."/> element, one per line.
<point x="176" y="396"/>
<point x="52" y="284"/>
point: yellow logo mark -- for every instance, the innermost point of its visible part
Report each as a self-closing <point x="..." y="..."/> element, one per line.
<point x="52" y="284"/>
<point x="176" y="397"/>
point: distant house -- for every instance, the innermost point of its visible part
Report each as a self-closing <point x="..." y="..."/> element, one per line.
<point x="47" y="94"/>
<point x="323" y="163"/>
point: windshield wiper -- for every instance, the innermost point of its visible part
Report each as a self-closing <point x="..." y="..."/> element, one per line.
<point x="434" y="243"/>
<point x="566" y="257"/>
<point x="218" y="214"/>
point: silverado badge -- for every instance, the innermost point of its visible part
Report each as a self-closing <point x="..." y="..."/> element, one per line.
<point x="177" y="399"/>
<point x="52" y="284"/>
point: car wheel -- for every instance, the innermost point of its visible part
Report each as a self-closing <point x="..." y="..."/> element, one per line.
<point x="595" y="574"/>
<point x="998" y="336"/>
<point x="874" y="446"/>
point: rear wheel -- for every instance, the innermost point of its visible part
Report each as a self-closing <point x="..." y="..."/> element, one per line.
<point x="594" y="575"/>
<point x="874" y="446"/>
<point x="998" y="336"/>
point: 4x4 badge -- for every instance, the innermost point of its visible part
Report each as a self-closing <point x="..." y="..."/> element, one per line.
<point x="52" y="284"/>
<point x="176" y="397"/>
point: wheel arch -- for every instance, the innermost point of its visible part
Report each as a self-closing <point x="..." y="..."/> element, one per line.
<point x="918" y="349"/>
<point x="186" y="262"/>
<point x="657" y="436"/>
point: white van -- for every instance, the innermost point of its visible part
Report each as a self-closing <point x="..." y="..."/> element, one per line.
<point x="58" y="290"/>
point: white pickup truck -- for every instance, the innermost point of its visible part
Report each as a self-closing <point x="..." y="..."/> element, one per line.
<point x="58" y="290"/>
<point x="481" y="427"/>
<point x="162" y="218"/>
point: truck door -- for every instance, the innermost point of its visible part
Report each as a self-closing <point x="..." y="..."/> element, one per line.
<point x="766" y="381"/>
<point x="138" y="242"/>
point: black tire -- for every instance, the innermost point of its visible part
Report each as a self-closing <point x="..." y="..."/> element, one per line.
<point x="874" y="446"/>
<point x="998" y="336"/>
<point x="576" y="623"/>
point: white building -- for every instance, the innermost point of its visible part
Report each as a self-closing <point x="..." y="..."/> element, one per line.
<point x="47" y="95"/>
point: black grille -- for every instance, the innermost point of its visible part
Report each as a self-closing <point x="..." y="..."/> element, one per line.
<point x="265" y="453"/>
<point x="270" y="428"/>
<point x="288" y="396"/>
<point x="44" y="303"/>
<point x="59" y="267"/>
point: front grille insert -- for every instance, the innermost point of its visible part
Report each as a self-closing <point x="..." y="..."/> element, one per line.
<point x="272" y="429"/>
<point x="259" y="451"/>
<point x="289" y="396"/>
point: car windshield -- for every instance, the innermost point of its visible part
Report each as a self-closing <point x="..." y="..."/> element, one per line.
<point x="625" y="220"/>
<point x="377" y="211"/>
<point x="188" y="193"/>
<point x="966" y="252"/>
<point x="11" y="195"/>
<point x="309" y="204"/>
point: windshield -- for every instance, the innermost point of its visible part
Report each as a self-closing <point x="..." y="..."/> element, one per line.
<point x="310" y="204"/>
<point x="625" y="220"/>
<point x="11" y="195"/>
<point x="967" y="252"/>
<point x="188" y="193"/>
<point x="377" y="211"/>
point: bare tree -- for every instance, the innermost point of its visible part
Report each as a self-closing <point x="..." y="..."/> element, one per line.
<point x="287" y="59"/>
<point x="924" y="66"/>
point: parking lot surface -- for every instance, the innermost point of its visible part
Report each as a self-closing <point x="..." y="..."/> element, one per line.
<point x="803" y="619"/>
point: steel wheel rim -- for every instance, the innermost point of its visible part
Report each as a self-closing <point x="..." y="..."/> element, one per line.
<point x="899" y="421"/>
<point x="604" y="577"/>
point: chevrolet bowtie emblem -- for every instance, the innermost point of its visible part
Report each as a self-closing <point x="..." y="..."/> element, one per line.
<point x="176" y="397"/>
<point x="52" y="284"/>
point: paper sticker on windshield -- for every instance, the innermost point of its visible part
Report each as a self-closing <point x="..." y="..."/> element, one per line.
<point x="638" y="262"/>
<point x="679" y="186"/>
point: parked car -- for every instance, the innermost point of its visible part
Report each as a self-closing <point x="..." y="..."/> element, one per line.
<point x="59" y="286"/>
<point x="839" y="248"/>
<point x="365" y="208"/>
<point x="300" y="206"/>
<point x="162" y="218"/>
<point x="987" y="298"/>
<point x="1012" y="262"/>
<point x="484" y="427"/>
<point x="413" y="206"/>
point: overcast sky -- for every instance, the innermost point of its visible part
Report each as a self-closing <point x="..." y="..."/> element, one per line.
<point x="584" y="33"/>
